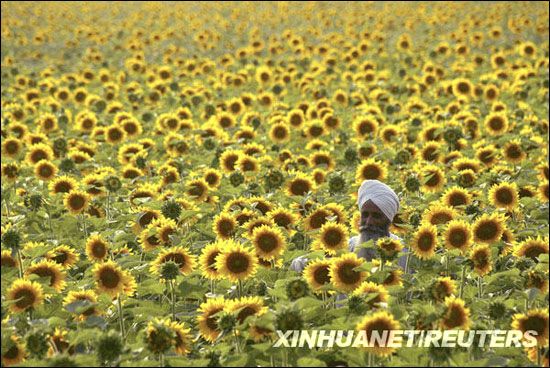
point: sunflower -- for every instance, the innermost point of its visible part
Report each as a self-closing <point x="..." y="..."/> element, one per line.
<point x="513" y="152"/>
<point x="370" y="289"/>
<point x="342" y="273"/>
<point x="11" y="147"/>
<point x="197" y="189"/>
<point x="247" y="164"/>
<point x="47" y="268"/>
<point x="14" y="352"/>
<point x="213" y="177"/>
<point x="279" y="133"/>
<point x="269" y="242"/>
<point x="504" y="195"/>
<point x="208" y="258"/>
<point x="442" y="288"/>
<point x="300" y="185"/>
<point x="62" y="184"/>
<point x="533" y="320"/>
<point x="115" y="134"/>
<point x="456" y="314"/>
<point x="365" y="126"/>
<point x="10" y="172"/>
<point x="370" y="169"/>
<point x="295" y="118"/>
<point x="394" y="278"/>
<point x="481" y="258"/>
<point x="144" y="217"/>
<point x="8" y="260"/>
<point x="39" y="152"/>
<point x="456" y="196"/>
<point x="228" y="160"/>
<point x="179" y="255"/>
<point x="388" y="247"/>
<point x="97" y="248"/>
<point x="380" y="321"/>
<point x="458" y="235"/>
<point x="317" y="274"/>
<point x="207" y="322"/>
<point x="84" y="295"/>
<point x="542" y="191"/>
<point x="424" y="242"/>
<point x="236" y="262"/>
<point x="113" y="280"/>
<point x="488" y="155"/>
<point x="224" y="225"/>
<point x="246" y="307"/>
<point x="462" y="87"/>
<point x="317" y="218"/>
<point x="331" y="238"/>
<point x="496" y="124"/>
<point x="182" y="340"/>
<point x="24" y="294"/>
<point x="283" y="218"/>
<point x="438" y="214"/>
<point x="433" y="178"/>
<point x="532" y="247"/>
<point x="323" y="159"/>
<point x="488" y="228"/>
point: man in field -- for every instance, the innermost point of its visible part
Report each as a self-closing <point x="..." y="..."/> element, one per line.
<point x="378" y="204"/>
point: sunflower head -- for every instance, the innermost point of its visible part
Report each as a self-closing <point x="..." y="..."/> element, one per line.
<point x="25" y="294"/>
<point x="442" y="288"/>
<point x="533" y="320"/>
<point x="269" y="242"/>
<point x="455" y="315"/>
<point x="488" y="228"/>
<point x="458" y="235"/>
<point x="424" y="242"/>
<point x="236" y="262"/>
<point x="343" y="274"/>
<point x="504" y="195"/>
<point x="331" y="238"/>
<point x="379" y="322"/>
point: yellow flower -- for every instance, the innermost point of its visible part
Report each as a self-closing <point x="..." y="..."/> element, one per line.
<point x="380" y="322"/>
<point x="342" y="273"/>
<point x="236" y="262"/>
<point x="456" y="314"/>
<point x="24" y="294"/>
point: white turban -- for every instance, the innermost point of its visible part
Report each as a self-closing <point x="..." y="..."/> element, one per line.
<point x="381" y="195"/>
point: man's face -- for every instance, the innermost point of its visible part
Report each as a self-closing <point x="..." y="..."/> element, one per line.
<point x="374" y="224"/>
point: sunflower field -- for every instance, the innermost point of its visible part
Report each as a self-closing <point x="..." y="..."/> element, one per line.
<point x="163" y="163"/>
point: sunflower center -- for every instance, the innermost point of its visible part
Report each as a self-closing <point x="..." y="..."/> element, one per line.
<point x="12" y="353"/>
<point x="332" y="238"/>
<point x="457" y="199"/>
<point x="534" y="250"/>
<point x="457" y="238"/>
<point x="440" y="218"/>
<point x="267" y="242"/>
<point x="496" y="123"/>
<point x="318" y="219"/>
<point x="299" y="187"/>
<point x="487" y="230"/>
<point x="425" y="242"/>
<point x="504" y="196"/>
<point x="347" y="275"/>
<point x="434" y="180"/>
<point x="371" y="172"/>
<point x="99" y="250"/>
<point x="321" y="275"/>
<point x="225" y="227"/>
<point x="63" y="187"/>
<point x="455" y="317"/>
<point x="211" y="261"/>
<point x="26" y="298"/>
<point x="380" y="326"/>
<point x="45" y="272"/>
<point x="110" y="278"/>
<point x="237" y="263"/>
<point x="77" y="202"/>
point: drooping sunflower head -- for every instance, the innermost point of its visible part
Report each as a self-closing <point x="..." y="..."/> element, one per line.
<point x="246" y="307"/>
<point x="342" y="273"/>
<point x="331" y="238"/>
<point x="197" y="189"/>
<point x="24" y="294"/>
<point x="488" y="228"/>
<point x="179" y="255"/>
<point x="456" y="315"/>
<point x="14" y="352"/>
<point x="442" y="288"/>
<point x="380" y="322"/>
<point x="504" y="195"/>
<point x="533" y="320"/>
<point x="269" y="242"/>
<point x="374" y="293"/>
<point x="424" y="242"/>
<point x="86" y="297"/>
<point x="159" y="336"/>
<point x="50" y="269"/>
<point x="207" y="321"/>
<point x="481" y="258"/>
<point x="532" y="247"/>
<point x="236" y="262"/>
<point x="458" y="235"/>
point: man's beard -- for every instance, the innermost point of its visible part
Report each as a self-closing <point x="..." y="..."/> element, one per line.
<point x="373" y="232"/>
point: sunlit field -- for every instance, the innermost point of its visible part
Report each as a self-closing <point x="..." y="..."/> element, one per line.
<point x="164" y="163"/>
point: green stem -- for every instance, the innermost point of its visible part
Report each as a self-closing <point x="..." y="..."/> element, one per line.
<point x="407" y="262"/>
<point x="161" y="359"/>
<point x="120" y="316"/>
<point x="462" y="279"/>
<point x="108" y="206"/>
<point x="240" y="289"/>
<point x="173" y="299"/>
<point x="20" y="261"/>
<point x="479" y="286"/>
<point x="447" y="264"/>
